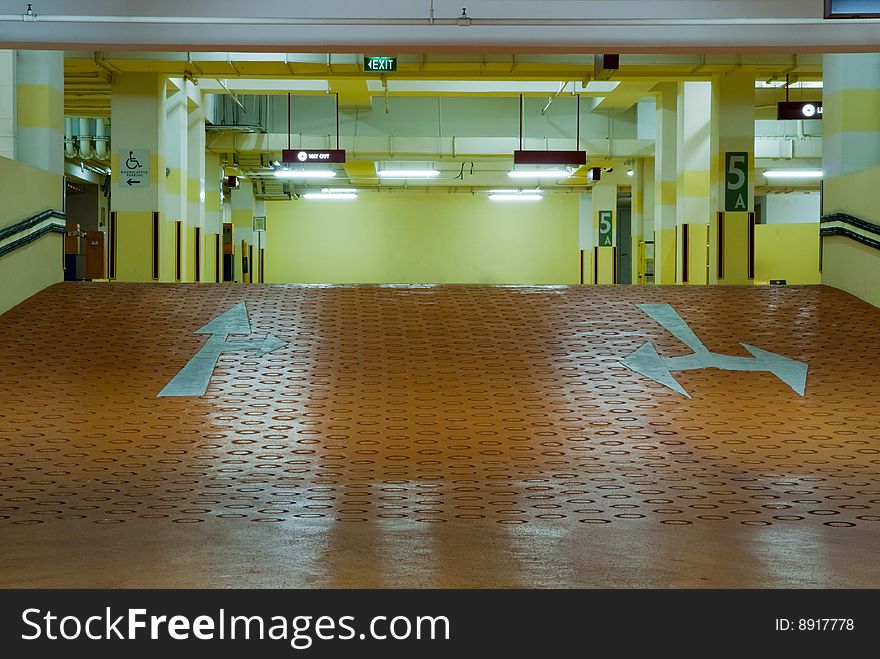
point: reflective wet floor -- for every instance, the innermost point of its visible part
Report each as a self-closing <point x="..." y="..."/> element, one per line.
<point x="451" y="436"/>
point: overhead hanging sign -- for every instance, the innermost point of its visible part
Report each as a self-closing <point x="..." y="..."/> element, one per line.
<point x="134" y="168"/>
<point x="852" y="8"/>
<point x="380" y="64"/>
<point x="313" y="155"/>
<point x="799" y="110"/>
<point x="549" y="157"/>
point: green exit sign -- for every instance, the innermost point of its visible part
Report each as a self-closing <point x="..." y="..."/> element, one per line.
<point x="382" y="64"/>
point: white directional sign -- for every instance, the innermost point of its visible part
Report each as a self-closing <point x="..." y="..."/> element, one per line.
<point x="134" y="168"/>
<point x="194" y="377"/>
<point x="645" y="360"/>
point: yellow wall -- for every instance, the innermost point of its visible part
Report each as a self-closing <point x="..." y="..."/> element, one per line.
<point x="134" y="244"/>
<point x="26" y="191"/>
<point x="736" y="249"/>
<point x="30" y="269"/>
<point x="847" y="264"/>
<point x="423" y="238"/>
<point x="857" y="194"/>
<point x="605" y="271"/>
<point x="852" y="267"/>
<point x="787" y="251"/>
<point x="698" y="235"/>
<point x="664" y="256"/>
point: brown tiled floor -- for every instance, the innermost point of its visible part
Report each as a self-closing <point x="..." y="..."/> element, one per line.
<point x="446" y="436"/>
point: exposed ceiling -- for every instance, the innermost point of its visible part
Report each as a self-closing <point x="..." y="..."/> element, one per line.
<point x="433" y="26"/>
<point x="88" y="74"/>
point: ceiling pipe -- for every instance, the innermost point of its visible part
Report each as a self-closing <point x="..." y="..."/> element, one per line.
<point x="84" y="140"/>
<point x="69" y="142"/>
<point x="102" y="141"/>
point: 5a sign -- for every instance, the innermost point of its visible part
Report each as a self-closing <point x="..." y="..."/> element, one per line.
<point x="736" y="181"/>
<point x="606" y="224"/>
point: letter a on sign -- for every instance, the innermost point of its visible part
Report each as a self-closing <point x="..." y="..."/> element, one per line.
<point x="736" y="181"/>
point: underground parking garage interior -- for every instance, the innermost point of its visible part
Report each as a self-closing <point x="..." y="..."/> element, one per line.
<point x="405" y="295"/>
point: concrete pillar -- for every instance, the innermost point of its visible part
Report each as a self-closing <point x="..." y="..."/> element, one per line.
<point x="851" y="166"/>
<point x="638" y="218"/>
<point x="195" y="188"/>
<point x="665" y="183"/>
<point x="733" y="131"/>
<point x="693" y="185"/>
<point x="648" y="209"/>
<point x="213" y="217"/>
<point x="243" y="220"/>
<point x="138" y="116"/>
<point x="175" y="201"/>
<point x="39" y="113"/>
<point x="7" y="104"/>
<point x="586" y="234"/>
<point x="604" y="201"/>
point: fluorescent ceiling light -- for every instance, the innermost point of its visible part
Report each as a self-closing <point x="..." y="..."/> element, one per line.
<point x="408" y="173"/>
<point x="602" y="85"/>
<point x="515" y="197"/>
<point x="305" y="173"/>
<point x="330" y="195"/>
<point x="793" y="173"/>
<point x="539" y="173"/>
<point x="801" y="84"/>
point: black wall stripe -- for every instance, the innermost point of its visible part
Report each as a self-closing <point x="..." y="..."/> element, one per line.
<point x="198" y="253"/>
<point x="720" y="246"/>
<point x="31" y="237"/>
<point x="112" y="241"/>
<point x="218" y="257"/>
<point x="155" y="252"/>
<point x="178" y="257"/>
<point x="685" y="245"/>
<point x="751" y="255"/>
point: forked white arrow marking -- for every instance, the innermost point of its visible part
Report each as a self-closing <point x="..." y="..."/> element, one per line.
<point x="645" y="360"/>
<point x="193" y="379"/>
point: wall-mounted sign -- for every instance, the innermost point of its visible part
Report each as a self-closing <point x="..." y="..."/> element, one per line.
<point x="736" y="181"/>
<point x="313" y="155"/>
<point x="259" y="223"/>
<point x="549" y="157"/>
<point x="134" y="168"/>
<point x="380" y="64"/>
<point x="606" y="224"/>
<point x="799" y="110"/>
<point x="852" y="8"/>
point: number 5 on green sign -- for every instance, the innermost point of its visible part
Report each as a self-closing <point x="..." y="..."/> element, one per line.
<point x="736" y="177"/>
<point x="605" y="226"/>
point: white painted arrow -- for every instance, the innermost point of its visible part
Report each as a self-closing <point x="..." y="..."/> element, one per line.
<point x="645" y="360"/>
<point x="194" y="377"/>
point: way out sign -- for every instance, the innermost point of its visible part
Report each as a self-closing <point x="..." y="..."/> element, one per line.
<point x="605" y="228"/>
<point x="134" y="168"/>
<point x="736" y="181"/>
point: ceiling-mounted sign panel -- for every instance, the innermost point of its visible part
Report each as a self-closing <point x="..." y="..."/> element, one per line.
<point x="380" y="64"/>
<point x="549" y="157"/>
<point x="313" y="155"/>
<point x="852" y="8"/>
<point x="799" y="110"/>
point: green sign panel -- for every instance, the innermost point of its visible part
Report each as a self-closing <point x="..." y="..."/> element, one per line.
<point x="380" y="64"/>
<point x="736" y="181"/>
<point x="606" y="224"/>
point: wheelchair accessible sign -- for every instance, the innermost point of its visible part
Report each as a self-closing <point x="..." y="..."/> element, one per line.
<point x="134" y="168"/>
